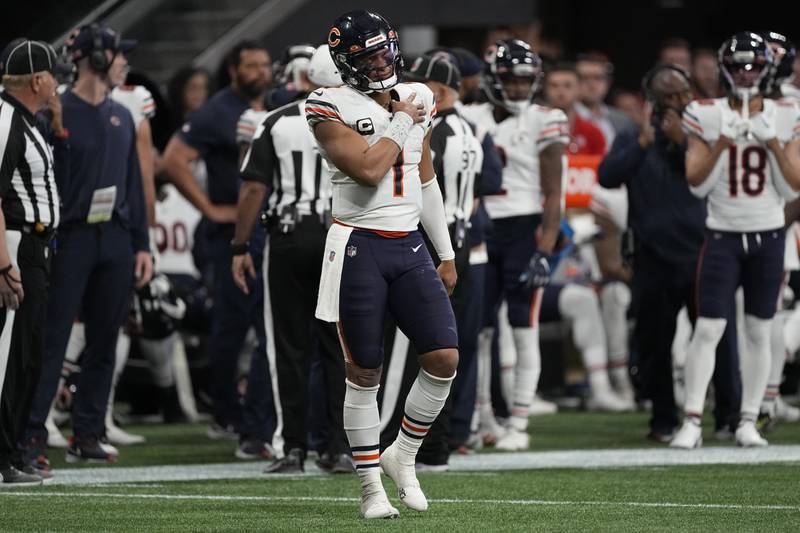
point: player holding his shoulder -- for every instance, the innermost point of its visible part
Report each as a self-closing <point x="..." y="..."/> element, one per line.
<point x="376" y="133"/>
<point x="525" y="216"/>
<point x="743" y="154"/>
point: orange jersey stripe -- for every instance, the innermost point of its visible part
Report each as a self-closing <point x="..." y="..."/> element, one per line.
<point x="323" y="112"/>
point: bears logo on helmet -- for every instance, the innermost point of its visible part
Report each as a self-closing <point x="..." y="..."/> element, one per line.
<point x="364" y="46"/>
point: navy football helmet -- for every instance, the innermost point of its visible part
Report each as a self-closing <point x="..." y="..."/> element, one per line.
<point x="363" y="45"/>
<point x="783" y="55"/>
<point x="745" y="64"/>
<point x="510" y="59"/>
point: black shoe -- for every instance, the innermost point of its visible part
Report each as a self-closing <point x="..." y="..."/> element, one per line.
<point x="15" y="478"/>
<point x="765" y="423"/>
<point x="46" y="475"/>
<point x="340" y="463"/>
<point x="292" y="463"/>
<point x="664" y="436"/>
<point x="34" y="453"/>
<point x="250" y="449"/>
<point x="88" y="449"/>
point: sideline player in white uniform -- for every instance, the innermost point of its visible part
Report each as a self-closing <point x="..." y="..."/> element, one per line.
<point x="743" y="154"/>
<point x="376" y="133"/>
<point x="525" y="217"/>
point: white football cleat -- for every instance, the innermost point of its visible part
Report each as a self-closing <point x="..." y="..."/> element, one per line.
<point x="55" y="439"/>
<point x="608" y="401"/>
<point x="489" y="428"/>
<point x="747" y="436"/>
<point x="404" y="475"/>
<point x="785" y="412"/>
<point x="120" y="437"/>
<point x="689" y="437"/>
<point x="375" y="504"/>
<point x="514" y="440"/>
<point x="540" y="406"/>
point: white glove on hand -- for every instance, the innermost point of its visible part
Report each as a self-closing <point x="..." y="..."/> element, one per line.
<point x="733" y="126"/>
<point x="762" y="128"/>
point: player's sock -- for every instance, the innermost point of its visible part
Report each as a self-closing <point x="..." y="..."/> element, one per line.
<point x="423" y="404"/>
<point x="615" y="298"/>
<point x="581" y="306"/>
<point x="755" y="364"/>
<point x="778" y="359"/>
<point x="362" y="425"/>
<point x="700" y="362"/>
<point x="483" y="399"/>
<point x="791" y="331"/>
<point x="526" y="379"/>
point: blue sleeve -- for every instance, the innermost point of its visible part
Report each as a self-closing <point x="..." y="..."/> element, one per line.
<point x="491" y="181"/>
<point x="200" y="131"/>
<point x="136" y="205"/>
<point x="622" y="161"/>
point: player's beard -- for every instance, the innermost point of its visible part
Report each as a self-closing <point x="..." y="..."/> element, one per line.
<point x="250" y="90"/>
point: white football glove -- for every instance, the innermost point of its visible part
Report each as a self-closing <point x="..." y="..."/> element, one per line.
<point x="761" y="128"/>
<point x="733" y="126"/>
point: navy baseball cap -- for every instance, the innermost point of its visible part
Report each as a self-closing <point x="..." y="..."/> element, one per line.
<point x="427" y="68"/>
<point x="23" y="57"/>
<point x="82" y="41"/>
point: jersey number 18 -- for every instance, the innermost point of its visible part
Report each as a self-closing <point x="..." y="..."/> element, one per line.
<point x="753" y="163"/>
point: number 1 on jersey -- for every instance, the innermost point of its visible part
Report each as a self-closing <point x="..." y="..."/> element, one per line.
<point x="397" y="175"/>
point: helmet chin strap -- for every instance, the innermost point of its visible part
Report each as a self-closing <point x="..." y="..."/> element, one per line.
<point x="516" y="107"/>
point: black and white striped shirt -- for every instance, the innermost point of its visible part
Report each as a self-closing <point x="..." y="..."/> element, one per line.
<point x="285" y="157"/>
<point x="27" y="185"/>
<point x="457" y="160"/>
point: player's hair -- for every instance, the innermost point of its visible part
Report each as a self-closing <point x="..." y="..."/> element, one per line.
<point x="13" y="82"/>
<point x="703" y="51"/>
<point x="234" y="57"/>
<point x="561" y="66"/>
<point x="597" y="57"/>
<point x="674" y="42"/>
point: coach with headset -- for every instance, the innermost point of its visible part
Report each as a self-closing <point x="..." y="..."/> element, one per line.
<point x="102" y="247"/>
<point x="668" y="227"/>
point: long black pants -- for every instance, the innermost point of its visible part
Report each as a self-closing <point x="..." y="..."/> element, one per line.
<point x="21" y="341"/>
<point x="293" y="273"/>
<point x="660" y="289"/>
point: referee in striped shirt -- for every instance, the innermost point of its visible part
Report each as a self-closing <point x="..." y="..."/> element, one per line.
<point x="29" y="216"/>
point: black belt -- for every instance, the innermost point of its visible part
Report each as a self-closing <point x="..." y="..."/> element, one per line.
<point x="38" y="229"/>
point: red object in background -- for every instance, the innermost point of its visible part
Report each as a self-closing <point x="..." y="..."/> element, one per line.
<point x="581" y="177"/>
<point x="585" y="138"/>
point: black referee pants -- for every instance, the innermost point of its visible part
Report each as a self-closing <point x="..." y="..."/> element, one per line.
<point x="21" y="341"/>
<point x="293" y="271"/>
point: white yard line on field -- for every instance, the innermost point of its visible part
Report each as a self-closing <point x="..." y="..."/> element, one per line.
<point x="338" y="499"/>
<point x="486" y="462"/>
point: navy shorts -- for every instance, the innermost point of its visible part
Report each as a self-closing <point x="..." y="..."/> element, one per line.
<point x="752" y="260"/>
<point x="381" y="273"/>
<point x="511" y="244"/>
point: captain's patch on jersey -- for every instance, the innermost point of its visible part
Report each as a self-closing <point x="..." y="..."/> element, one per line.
<point x="365" y="126"/>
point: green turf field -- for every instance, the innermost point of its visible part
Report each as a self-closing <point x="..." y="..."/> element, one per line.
<point x="732" y="497"/>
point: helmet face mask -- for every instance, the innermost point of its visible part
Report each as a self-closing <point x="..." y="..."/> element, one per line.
<point x="365" y="49"/>
<point x="745" y="63"/>
<point x="512" y="76"/>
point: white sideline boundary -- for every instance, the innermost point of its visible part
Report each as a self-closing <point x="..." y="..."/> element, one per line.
<point x="487" y="462"/>
<point x="350" y="501"/>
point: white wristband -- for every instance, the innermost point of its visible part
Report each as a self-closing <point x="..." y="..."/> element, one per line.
<point x="399" y="128"/>
<point x="433" y="220"/>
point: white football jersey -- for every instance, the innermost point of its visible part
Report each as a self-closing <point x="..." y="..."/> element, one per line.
<point x="520" y="139"/>
<point x="173" y="236"/>
<point x="137" y="100"/>
<point x="396" y="203"/>
<point x="248" y="124"/>
<point x="743" y="188"/>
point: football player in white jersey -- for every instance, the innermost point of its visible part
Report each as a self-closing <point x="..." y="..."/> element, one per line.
<point x="525" y="216"/>
<point x="743" y="155"/>
<point x="375" y="133"/>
